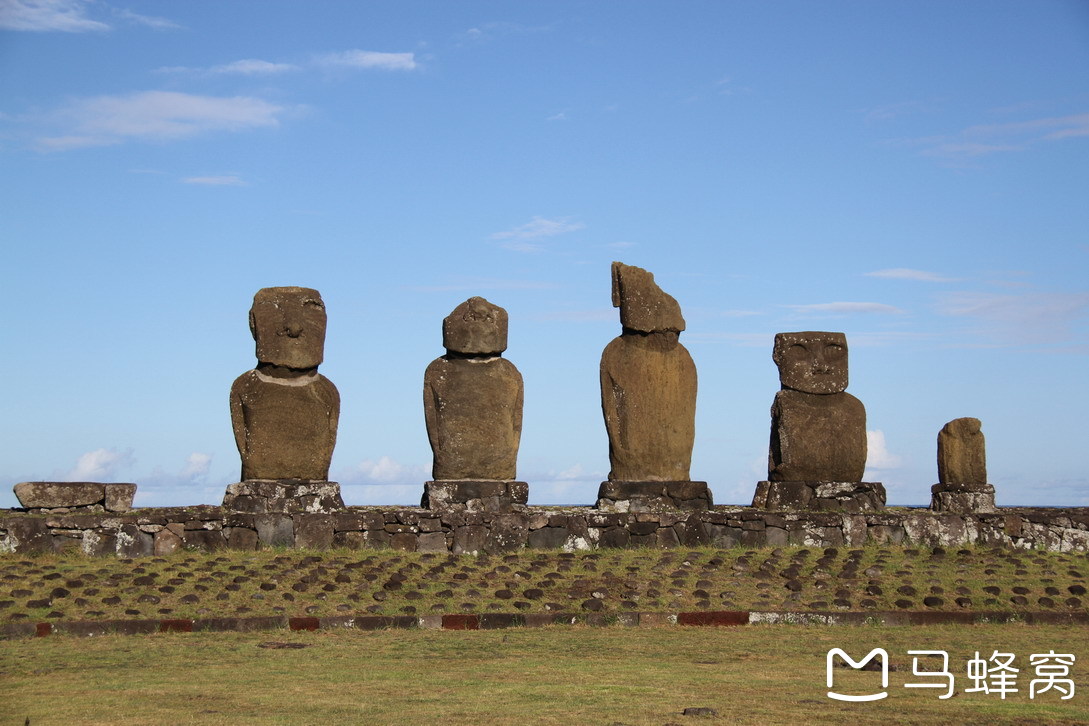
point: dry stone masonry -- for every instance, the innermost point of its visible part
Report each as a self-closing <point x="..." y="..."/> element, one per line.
<point x="648" y="398"/>
<point x="473" y="409"/>
<point x="962" y="469"/>
<point x="284" y="413"/>
<point x="74" y="496"/>
<point x="817" y="454"/>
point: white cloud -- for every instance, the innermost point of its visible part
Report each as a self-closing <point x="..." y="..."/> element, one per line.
<point x="561" y="116"/>
<point x="253" y="67"/>
<point x="537" y="228"/>
<point x="985" y="139"/>
<point x="146" y="20"/>
<point x="386" y="470"/>
<point x="69" y="16"/>
<point x="197" y="465"/>
<point x="877" y="452"/>
<point x="157" y="116"/>
<point x="215" y="181"/>
<point x="99" y="465"/>
<point x="370" y="59"/>
<point x="847" y="308"/>
<point x="905" y="273"/>
<point x="1019" y="319"/>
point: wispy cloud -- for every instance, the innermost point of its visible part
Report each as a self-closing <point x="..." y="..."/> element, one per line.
<point x="1020" y="319"/>
<point x="596" y="315"/>
<point x="215" y="181"/>
<point x="985" y="139"/>
<point x="385" y="471"/>
<point x="905" y="273"/>
<point x="68" y="16"/>
<point x="535" y="229"/>
<point x="100" y="465"/>
<point x="846" y="308"/>
<point x="369" y="59"/>
<point x="156" y="116"/>
<point x="561" y="116"/>
<point x="490" y="31"/>
<point x="253" y="67"/>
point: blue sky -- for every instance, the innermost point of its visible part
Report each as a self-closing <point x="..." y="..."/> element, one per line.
<point x="914" y="174"/>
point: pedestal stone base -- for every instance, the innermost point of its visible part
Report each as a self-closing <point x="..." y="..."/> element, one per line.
<point x="824" y="496"/>
<point x="475" y="495"/>
<point x="75" y="496"/>
<point x="283" y="496"/>
<point x="646" y="496"/>
<point x="963" y="498"/>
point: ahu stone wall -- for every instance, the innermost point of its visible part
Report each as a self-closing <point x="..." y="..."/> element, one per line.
<point x="144" y="532"/>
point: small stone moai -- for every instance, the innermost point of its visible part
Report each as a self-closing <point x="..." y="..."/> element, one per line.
<point x="962" y="470"/>
<point x="817" y="454"/>
<point x="648" y="398"/>
<point x="284" y="412"/>
<point x="473" y="409"/>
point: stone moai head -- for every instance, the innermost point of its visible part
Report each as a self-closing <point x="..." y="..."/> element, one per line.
<point x="812" y="362"/>
<point x="643" y="305"/>
<point x="288" y="324"/>
<point x="476" y="327"/>
<point x="962" y="453"/>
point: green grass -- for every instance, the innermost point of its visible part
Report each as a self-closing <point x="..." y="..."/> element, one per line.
<point x="554" y="675"/>
<point x="41" y="588"/>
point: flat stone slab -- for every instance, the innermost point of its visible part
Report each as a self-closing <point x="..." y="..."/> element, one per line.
<point x="475" y="495"/>
<point x="283" y="496"/>
<point x="645" y="496"/>
<point x="101" y="496"/>
<point x="824" y="496"/>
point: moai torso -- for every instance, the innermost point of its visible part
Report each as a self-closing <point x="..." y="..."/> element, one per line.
<point x="473" y="397"/>
<point x="284" y="413"/>
<point x="818" y="431"/>
<point x="648" y="384"/>
<point x="962" y="453"/>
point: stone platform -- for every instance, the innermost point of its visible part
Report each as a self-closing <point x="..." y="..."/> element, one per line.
<point x="648" y="496"/>
<point x="283" y="496"/>
<point x="962" y="498"/>
<point x="143" y="532"/>
<point x="475" y="495"/>
<point x="822" y="496"/>
<point x="75" y="496"/>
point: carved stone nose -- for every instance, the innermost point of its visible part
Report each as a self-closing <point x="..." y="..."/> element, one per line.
<point x="292" y="331"/>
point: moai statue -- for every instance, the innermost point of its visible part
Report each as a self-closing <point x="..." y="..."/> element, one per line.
<point x="818" y="431"/>
<point x="962" y="470"/>
<point x="284" y="412"/>
<point x="648" y="398"/>
<point x="473" y="410"/>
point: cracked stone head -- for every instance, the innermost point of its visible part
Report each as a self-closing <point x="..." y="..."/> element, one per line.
<point x="812" y="362"/>
<point x="643" y="305"/>
<point x="476" y="327"/>
<point x="288" y="324"/>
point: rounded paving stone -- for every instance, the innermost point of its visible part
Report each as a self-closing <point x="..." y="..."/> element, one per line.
<point x="904" y="604"/>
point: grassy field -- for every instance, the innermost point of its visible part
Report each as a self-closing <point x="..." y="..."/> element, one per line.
<point x="41" y="588"/>
<point x="553" y="675"/>
<point x="556" y="674"/>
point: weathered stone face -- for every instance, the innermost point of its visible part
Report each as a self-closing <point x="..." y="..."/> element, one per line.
<point x="288" y="324"/>
<point x="643" y="305"/>
<point x="817" y="438"/>
<point x="812" y="362"/>
<point x="285" y="413"/>
<point x="476" y="327"/>
<point x="473" y="411"/>
<point x="648" y="384"/>
<point x="962" y="454"/>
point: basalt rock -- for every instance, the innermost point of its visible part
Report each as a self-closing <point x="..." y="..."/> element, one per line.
<point x="284" y="413"/>
<point x="817" y="453"/>
<point x="73" y="496"/>
<point x="962" y="470"/>
<point x="473" y="410"/>
<point x="648" y="388"/>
